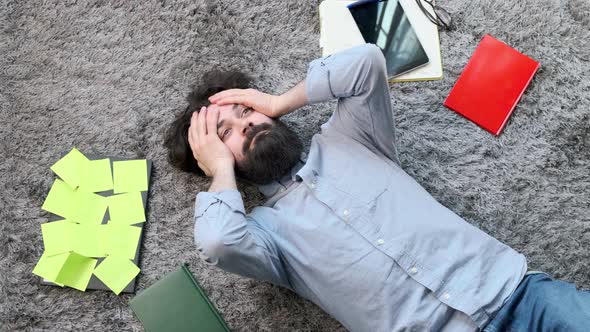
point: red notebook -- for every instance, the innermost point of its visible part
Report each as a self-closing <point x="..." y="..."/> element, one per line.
<point x="491" y="84"/>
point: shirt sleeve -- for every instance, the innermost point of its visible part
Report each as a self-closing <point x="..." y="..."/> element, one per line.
<point x="357" y="77"/>
<point x="229" y="239"/>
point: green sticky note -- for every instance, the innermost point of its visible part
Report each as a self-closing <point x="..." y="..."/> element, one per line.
<point x="116" y="272"/>
<point x="126" y="209"/>
<point x="130" y="175"/>
<point x="49" y="266"/>
<point x="88" y="240"/>
<point x="90" y="207"/>
<point x="70" y="167"/>
<point x="97" y="176"/>
<point x="120" y="240"/>
<point x="58" y="236"/>
<point x="76" y="271"/>
<point x="60" y="199"/>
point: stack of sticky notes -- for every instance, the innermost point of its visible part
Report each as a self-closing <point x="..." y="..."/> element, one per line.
<point x="95" y="228"/>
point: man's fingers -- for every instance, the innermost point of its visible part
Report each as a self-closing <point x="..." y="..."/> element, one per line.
<point x="190" y="135"/>
<point x="201" y="125"/>
<point x="221" y="96"/>
<point x="212" y="118"/>
<point x="192" y="129"/>
<point x="224" y="93"/>
<point x="236" y="99"/>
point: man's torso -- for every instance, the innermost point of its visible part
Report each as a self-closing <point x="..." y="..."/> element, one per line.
<point x="363" y="240"/>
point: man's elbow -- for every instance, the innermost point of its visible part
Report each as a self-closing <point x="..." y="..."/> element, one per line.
<point x="375" y="58"/>
<point x="210" y="247"/>
<point x="370" y="66"/>
<point x="374" y="52"/>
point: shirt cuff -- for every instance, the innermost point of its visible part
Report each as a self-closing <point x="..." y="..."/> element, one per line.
<point x="317" y="81"/>
<point x="231" y="197"/>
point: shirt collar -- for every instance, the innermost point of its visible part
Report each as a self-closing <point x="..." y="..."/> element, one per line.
<point x="269" y="190"/>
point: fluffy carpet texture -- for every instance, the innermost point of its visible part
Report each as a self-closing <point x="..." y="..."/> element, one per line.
<point x="107" y="77"/>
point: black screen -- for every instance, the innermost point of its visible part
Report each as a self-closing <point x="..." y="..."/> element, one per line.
<point x="385" y="24"/>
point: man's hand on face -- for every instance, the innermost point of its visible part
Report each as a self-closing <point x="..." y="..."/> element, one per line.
<point x="264" y="103"/>
<point x="211" y="153"/>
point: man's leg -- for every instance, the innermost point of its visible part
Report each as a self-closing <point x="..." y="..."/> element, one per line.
<point x="541" y="303"/>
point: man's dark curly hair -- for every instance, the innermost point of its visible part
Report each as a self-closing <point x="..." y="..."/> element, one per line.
<point x="180" y="154"/>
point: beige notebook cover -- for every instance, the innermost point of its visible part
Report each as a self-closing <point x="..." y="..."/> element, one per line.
<point x="338" y="31"/>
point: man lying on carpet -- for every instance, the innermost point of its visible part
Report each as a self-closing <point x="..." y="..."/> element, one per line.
<point x="347" y="228"/>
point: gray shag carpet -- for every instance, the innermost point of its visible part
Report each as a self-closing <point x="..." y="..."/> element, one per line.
<point x="108" y="76"/>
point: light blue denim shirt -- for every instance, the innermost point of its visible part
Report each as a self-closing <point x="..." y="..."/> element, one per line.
<point x="352" y="232"/>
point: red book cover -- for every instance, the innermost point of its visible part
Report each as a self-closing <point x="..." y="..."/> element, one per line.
<point x="491" y="84"/>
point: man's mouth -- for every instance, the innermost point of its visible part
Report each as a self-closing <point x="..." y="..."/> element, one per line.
<point x="254" y="138"/>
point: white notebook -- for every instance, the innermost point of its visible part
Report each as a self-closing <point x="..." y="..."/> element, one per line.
<point x="338" y="31"/>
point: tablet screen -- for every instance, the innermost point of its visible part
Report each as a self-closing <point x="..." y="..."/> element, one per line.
<point x="384" y="23"/>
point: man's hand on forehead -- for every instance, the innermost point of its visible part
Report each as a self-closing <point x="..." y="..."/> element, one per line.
<point x="211" y="153"/>
<point x="264" y="103"/>
<point x="269" y="105"/>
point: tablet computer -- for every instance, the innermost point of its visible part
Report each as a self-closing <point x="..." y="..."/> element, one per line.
<point x="385" y="24"/>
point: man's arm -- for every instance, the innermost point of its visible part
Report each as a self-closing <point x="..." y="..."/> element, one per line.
<point x="291" y="100"/>
<point x="357" y="77"/>
<point x="270" y="105"/>
<point x="233" y="241"/>
<point x="225" y="236"/>
<point x="224" y="179"/>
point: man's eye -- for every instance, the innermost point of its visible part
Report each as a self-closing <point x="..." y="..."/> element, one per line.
<point x="225" y="132"/>
<point x="246" y="110"/>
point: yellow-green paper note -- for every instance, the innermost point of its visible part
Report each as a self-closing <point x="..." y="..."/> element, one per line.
<point x="69" y="268"/>
<point x="49" y="266"/>
<point x="90" y="207"/>
<point x="120" y="240"/>
<point x="58" y="236"/>
<point x="126" y="209"/>
<point x="88" y="240"/>
<point x="97" y="176"/>
<point x="70" y="167"/>
<point x="116" y="272"/>
<point x="76" y="271"/>
<point x="60" y="199"/>
<point x="130" y="175"/>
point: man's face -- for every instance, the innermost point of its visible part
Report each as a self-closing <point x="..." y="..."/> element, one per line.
<point x="235" y="121"/>
<point x="263" y="148"/>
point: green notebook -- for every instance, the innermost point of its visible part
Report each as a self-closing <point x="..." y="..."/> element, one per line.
<point x="177" y="303"/>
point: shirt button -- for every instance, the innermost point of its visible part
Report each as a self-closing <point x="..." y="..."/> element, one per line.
<point x="380" y="241"/>
<point x="414" y="270"/>
<point x="282" y="190"/>
<point x="446" y="296"/>
<point x="345" y="213"/>
<point x="312" y="185"/>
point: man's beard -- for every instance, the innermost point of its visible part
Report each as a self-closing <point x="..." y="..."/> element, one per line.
<point x="275" y="151"/>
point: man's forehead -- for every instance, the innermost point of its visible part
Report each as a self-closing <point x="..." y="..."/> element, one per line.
<point x="224" y="108"/>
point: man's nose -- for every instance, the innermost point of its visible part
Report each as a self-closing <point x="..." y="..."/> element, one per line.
<point x="246" y="127"/>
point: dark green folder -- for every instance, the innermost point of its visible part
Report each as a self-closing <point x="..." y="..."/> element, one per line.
<point x="177" y="303"/>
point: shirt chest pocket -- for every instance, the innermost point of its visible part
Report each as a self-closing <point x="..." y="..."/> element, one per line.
<point x="354" y="206"/>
